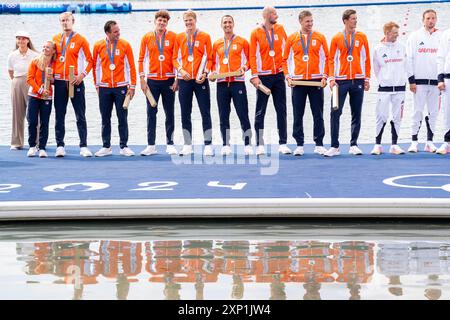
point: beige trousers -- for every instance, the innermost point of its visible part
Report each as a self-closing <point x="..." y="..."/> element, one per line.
<point x="19" y="101"/>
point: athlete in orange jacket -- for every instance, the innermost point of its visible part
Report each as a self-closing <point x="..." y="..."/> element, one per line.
<point x="72" y="50"/>
<point x="306" y="58"/>
<point x="192" y="59"/>
<point x="157" y="52"/>
<point x="267" y="42"/>
<point x="349" y="65"/>
<point x="114" y="75"/>
<point x="40" y="99"/>
<point x="230" y="54"/>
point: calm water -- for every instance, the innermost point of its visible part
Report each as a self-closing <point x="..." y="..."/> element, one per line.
<point x="134" y="25"/>
<point x="225" y="260"/>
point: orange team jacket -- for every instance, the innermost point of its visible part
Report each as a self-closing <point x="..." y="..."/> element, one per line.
<point x="316" y="67"/>
<point x="34" y="79"/>
<point x="238" y="57"/>
<point x="149" y="63"/>
<point x="260" y="62"/>
<point x="125" y="72"/>
<point x="340" y="68"/>
<point x="77" y="54"/>
<point x="202" y="50"/>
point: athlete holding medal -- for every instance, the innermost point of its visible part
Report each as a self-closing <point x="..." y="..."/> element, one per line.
<point x="114" y="76"/>
<point x="192" y="60"/>
<point x="267" y="42"/>
<point x="72" y="51"/>
<point x="231" y="54"/>
<point x="351" y="74"/>
<point x="155" y="64"/>
<point x="306" y="58"/>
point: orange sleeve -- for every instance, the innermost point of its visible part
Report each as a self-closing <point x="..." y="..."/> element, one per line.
<point x="31" y="77"/>
<point x="286" y="53"/>
<point x="142" y="52"/>
<point x="331" y="66"/>
<point x="208" y="53"/>
<point x="88" y="55"/>
<point x="132" y="66"/>
<point x="253" y="44"/>
<point x="214" y="57"/>
<point x="327" y="57"/>
<point x="176" y="48"/>
<point x="247" y="53"/>
<point x="94" y="61"/>
<point x="368" y="65"/>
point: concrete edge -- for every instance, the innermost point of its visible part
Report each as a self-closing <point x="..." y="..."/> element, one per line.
<point x="226" y="208"/>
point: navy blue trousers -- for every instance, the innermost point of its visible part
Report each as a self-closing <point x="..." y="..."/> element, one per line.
<point x="316" y="101"/>
<point x="161" y="88"/>
<point x="109" y="97"/>
<point x="38" y="110"/>
<point x="355" y="90"/>
<point x="226" y="91"/>
<point x="185" y="95"/>
<point x="276" y="84"/>
<point x="79" y="106"/>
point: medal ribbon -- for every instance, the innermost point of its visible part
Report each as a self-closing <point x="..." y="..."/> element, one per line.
<point x="271" y="40"/>
<point x="160" y="45"/>
<point x="352" y="44"/>
<point x="111" y="54"/>
<point x="189" y="44"/>
<point x="65" y="45"/>
<point x="225" y="48"/>
<point x="305" y="47"/>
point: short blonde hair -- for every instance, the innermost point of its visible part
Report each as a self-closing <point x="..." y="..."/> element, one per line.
<point x="389" y="26"/>
<point x="190" y="13"/>
<point x="67" y="13"/>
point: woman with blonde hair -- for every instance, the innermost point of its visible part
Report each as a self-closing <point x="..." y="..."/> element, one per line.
<point x="18" y="62"/>
<point x="40" y="98"/>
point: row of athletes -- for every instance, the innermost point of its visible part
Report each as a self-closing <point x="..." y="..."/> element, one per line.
<point x="274" y="60"/>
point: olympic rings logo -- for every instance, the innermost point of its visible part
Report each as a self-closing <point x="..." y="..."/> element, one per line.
<point x="392" y="181"/>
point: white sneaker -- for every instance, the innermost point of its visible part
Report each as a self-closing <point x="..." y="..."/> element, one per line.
<point x="284" y="149"/>
<point x="444" y="148"/>
<point x="355" y="151"/>
<point x="60" y="152"/>
<point x="85" y="152"/>
<point x="430" y="147"/>
<point x="332" y="152"/>
<point x="377" y="150"/>
<point x="226" y="151"/>
<point x="127" y="152"/>
<point x="171" y="150"/>
<point x="32" y="152"/>
<point x="260" y="150"/>
<point x="208" y="151"/>
<point x="413" y="147"/>
<point x="42" y="154"/>
<point x="149" y="151"/>
<point x="248" y="150"/>
<point x="15" y="148"/>
<point x="320" y="150"/>
<point x="104" y="152"/>
<point x="395" y="149"/>
<point x="299" y="151"/>
<point x="187" y="150"/>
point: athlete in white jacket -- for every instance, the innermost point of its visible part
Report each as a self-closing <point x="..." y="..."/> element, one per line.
<point x="422" y="50"/>
<point x="389" y="62"/>
<point x="443" y="65"/>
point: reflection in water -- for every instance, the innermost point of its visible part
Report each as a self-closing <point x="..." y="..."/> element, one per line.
<point x="316" y="265"/>
<point x="401" y="259"/>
